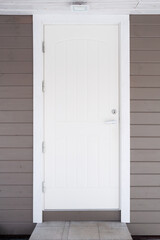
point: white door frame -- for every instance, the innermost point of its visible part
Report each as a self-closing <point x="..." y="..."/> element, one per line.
<point x="38" y="160"/>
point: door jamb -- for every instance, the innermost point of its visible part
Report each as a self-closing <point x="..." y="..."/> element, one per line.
<point x="38" y="22"/>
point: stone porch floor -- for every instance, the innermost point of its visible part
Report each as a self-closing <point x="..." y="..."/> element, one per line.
<point x="84" y="230"/>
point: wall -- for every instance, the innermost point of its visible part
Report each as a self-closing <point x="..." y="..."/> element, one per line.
<point x="16" y="124"/>
<point x="145" y="125"/>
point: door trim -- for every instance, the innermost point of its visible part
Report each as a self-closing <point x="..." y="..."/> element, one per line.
<point x="38" y="22"/>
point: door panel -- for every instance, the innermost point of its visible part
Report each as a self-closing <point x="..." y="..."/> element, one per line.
<point x="82" y="147"/>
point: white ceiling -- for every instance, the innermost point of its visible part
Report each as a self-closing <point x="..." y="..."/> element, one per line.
<point x="95" y="6"/>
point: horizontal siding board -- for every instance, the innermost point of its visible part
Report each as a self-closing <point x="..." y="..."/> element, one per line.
<point x="145" y="43"/>
<point x="145" y="31"/>
<point x="145" y="56"/>
<point x="15" y="19"/>
<point x="16" y="129"/>
<point x="16" y="92"/>
<point x="15" y="79"/>
<point x="145" y="130"/>
<point x="145" y="217"/>
<point x="145" y="20"/>
<point x="16" y="166"/>
<point x="16" y="67"/>
<point x="16" y="191"/>
<point x="145" y="69"/>
<point x="145" y="93"/>
<point x="145" y="192"/>
<point x="16" y="125"/>
<point x="16" y="216"/>
<point x="145" y="143"/>
<point x="145" y="167"/>
<point x="16" y="142"/>
<point x="145" y="81"/>
<point x="145" y="180"/>
<point x="145" y="155"/>
<point x="15" y="42"/>
<point x="16" y="178"/>
<point x="16" y="104"/>
<point x="16" y="154"/>
<point x="18" y="228"/>
<point x="144" y="229"/>
<point x="145" y="204"/>
<point x="16" y="203"/>
<point x="16" y="29"/>
<point x="145" y="106"/>
<point x="145" y="118"/>
<point x="15" y="55"/>
<point x="16" y="117"/>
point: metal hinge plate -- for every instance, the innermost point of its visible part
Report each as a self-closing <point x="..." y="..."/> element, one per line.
<point x="43" y="47"/>
<point x="43" y="187"/>
<point x="43" y="86"/>
<point x="43" y="147"/>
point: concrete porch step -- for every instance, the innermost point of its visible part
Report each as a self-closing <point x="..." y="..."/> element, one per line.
<point x="84" y="230"/>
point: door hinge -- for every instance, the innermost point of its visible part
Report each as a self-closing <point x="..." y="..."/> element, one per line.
<point x="43" y="47"/>
<point x="43" y="86"/>
<point x="43" y="187"/>
<point x="43" y="147"/>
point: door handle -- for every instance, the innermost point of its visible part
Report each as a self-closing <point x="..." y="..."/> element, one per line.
<point x="110" y="122"/>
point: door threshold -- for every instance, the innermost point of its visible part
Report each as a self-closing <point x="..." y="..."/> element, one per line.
<point x="113" y="215"/>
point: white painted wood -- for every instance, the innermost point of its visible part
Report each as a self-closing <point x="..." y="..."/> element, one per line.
<point x="37" y="121"/>
<point x="149" y="6"/>
<point x="123" y="22"/>
<point x="96" y="7"/>
<point x="7" y="2"/>
<point x="65" y="6"/>
<point x="81" y="89"/>
<point x="125" y="120"/>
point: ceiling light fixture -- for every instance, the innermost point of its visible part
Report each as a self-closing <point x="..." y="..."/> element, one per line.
<point x="79" y="6"/>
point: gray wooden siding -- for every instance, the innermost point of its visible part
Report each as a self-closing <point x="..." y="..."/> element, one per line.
<point x="145" y="125"/>
<point x="16" y="82"/>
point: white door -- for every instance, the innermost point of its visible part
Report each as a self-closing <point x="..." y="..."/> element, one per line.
<point x="81" y="118"/>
